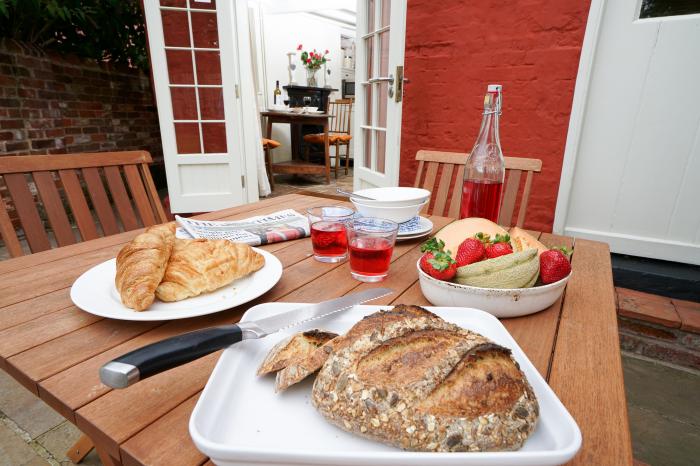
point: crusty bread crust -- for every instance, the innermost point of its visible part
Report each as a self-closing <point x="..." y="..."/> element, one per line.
<point x="408" y="378"/>
<point x="294" y="349"/>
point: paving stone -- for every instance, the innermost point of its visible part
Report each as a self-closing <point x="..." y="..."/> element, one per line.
<point x="58" y="440"/>
<point x="670" y="392"/>
<point x="15" y="452"/>
<point x="25" y="409"/>
<point x="650" y="308"/>
<point x="660" y="441"/>
<point x="662" y="405"/>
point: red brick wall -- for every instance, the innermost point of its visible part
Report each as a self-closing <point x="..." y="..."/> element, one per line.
<point x="456" y="48"/>
<point x="52" y="104"/>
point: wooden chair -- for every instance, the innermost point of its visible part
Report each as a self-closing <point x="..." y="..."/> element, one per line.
<point x="339" y="132"/>
<point x="268" y="145"/>
<point x="61" y="182"/>
<point x="451" y="167"/>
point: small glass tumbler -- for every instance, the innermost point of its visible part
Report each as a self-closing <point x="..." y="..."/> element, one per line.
<point x="371" y="243"/>
<point x="328" y="233"/>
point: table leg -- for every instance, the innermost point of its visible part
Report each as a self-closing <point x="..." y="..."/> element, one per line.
<point x="296" y="140"/>
<point x="106" y="458"/>
<point x="269" y="128"/>
<point x="80" y="449"/>
<point x="327" y="152"/>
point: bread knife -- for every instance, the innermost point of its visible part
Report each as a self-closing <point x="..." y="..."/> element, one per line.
<point x="172" y="352"/>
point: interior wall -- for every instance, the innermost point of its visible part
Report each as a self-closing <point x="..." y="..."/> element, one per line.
<point x="283" y="33"/>
<point x="532" y="47"/>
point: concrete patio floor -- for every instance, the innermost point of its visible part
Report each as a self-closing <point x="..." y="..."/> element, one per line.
<point x="662" y="402"/>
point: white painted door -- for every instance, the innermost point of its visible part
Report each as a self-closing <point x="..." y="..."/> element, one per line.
<point x="631" y="174"/>
<point x="381" y="31"/>
<point x="206" y="102"/>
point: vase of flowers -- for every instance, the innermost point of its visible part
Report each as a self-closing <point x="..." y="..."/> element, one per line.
<point x="312" y="62"/>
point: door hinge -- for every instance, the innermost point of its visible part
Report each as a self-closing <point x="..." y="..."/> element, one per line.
<point x="243" y="181"/>
<point x="238" y="94"/>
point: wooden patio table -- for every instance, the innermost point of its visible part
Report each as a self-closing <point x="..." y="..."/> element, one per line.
<point x="54" y="349"/>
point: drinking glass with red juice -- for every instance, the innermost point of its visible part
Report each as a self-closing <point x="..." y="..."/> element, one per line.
<point x="328" y="232"/>
<point x="371" y="243"/>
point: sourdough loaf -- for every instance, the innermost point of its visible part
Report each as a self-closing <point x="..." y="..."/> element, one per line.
<point x="407" y="378"/>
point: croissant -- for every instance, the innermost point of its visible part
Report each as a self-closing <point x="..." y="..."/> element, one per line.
<point x="141" y="265"/>
<point x="199" y="266"/>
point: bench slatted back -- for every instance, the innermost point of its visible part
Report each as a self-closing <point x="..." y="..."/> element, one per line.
<point x="447" y="192"/>
<point x="50" y="192"/>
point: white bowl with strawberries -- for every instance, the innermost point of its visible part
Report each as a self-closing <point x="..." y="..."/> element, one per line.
<point x="475" y="263"/>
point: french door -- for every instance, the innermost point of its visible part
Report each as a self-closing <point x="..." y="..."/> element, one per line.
<point x="381" y="30"/>
<point x="206" y="102"/>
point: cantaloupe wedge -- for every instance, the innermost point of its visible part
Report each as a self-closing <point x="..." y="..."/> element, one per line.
<point x="522" y="240"/>
<point x="456" y="232"/>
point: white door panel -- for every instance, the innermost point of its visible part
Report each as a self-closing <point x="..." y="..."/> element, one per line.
<point x="381" y="27"/>
<point x="635" y="154"/>
<point x="207" y="127"/>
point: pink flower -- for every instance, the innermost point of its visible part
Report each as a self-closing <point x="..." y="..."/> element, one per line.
<point x="299" y="47"/>
<point x="326" y="51"/>
<point x="308" y="61"/>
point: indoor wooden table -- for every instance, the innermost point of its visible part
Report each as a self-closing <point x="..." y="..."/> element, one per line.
<point x="296" y="165"/>
<point x="55" y="350"/>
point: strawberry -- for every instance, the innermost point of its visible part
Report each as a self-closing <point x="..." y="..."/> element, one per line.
<point x="469" y="251"/>
<point x="554" y="265"/>
<point x="438" y="265"/>
<point x="499" y="247"/>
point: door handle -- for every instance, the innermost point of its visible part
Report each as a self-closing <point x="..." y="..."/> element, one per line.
<point x="389" y="79"/>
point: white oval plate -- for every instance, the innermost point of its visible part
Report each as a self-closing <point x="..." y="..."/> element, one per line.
<point x="94" y="292"/>
<point x="415" y="230"/>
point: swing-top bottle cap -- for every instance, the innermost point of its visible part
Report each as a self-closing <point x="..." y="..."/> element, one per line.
<point x="494" y="88"/>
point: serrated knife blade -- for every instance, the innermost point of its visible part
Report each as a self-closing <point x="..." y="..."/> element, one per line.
<point x="175" y="351"/>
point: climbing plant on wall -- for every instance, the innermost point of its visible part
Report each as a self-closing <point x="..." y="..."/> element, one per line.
<point x="104" y="30"/>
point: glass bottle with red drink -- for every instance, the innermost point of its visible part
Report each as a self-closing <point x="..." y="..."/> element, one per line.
<point x="485" y="169"/>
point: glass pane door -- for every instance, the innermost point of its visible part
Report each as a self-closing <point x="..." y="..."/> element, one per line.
<point x="376" y="46"/>
<point x="381" y="26"/>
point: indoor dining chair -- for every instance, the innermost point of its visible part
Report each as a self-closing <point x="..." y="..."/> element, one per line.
<point x="339" y="131"/>
<point x="442" y="174"/>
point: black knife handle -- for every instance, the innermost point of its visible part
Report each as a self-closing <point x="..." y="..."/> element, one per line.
<point x="167" y="354"/>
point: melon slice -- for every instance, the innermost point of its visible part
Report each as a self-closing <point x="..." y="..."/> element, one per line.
<point x="456" y="232"/>
<point x="522" y="240"/>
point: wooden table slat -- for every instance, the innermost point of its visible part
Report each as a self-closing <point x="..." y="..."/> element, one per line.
<point x="119" y="414"/>
<point x="586" y="370"/>
<point x="161" y="442"/>
<point x="47" y="359"/>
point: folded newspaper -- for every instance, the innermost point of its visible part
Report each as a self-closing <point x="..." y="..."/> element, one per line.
<point x="272" y="228"/>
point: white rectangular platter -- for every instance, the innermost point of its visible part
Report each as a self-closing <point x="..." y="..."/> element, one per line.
<point x="240" y="420"/>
